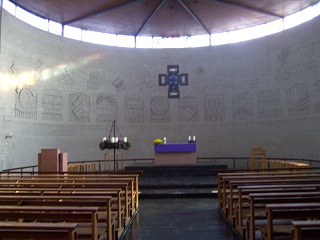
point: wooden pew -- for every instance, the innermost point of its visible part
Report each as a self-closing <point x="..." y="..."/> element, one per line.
<point x="51" y="188"/>
<point x="308" y="229"/>
<point x="262" y="177"/>
<point x="289" y="211"/>
<point x="224" y="178"/>
<point x="117" y="206"/>
<point x="295" y="179"/>
<point x="132" y="195"/>
<point x="260" y="200"/>
<point x="63" y="185"/>
<point x="83" y="182"/>
<point x="229" y="182"/>
<point x="132" y="182"/>
<point x="242" y="208"/>
<point x="15" y="230"/>
<point x="119" y="198"/>
<point x="224" y="187"/>
<point x="133" y="175"/>
<point x="134" y="191"/>
<point x="49" y="214"/>
<point x="102" y="202"/>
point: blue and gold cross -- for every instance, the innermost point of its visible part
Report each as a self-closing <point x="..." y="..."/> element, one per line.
<point x="174" y="80"/>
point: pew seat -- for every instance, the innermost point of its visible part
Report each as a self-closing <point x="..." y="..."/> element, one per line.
<point x="287" y="211"/>
<point x="40" y="204"/>
<point x="308" y="229"/>
<point x="36" y="230"/>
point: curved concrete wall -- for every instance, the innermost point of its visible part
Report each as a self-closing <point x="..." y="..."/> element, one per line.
<point x="264" y="92"/>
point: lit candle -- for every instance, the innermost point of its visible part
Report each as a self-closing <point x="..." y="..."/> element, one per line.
<point x="189" y="138"/>
<point x="193" y="138"/>
<point x="116" y="139"/>
<point x="104" y="139"/>
<point x="112" y="139"/>
<point x="125" y="139"/>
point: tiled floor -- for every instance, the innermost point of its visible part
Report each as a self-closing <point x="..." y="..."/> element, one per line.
<point x="179" y="219"/>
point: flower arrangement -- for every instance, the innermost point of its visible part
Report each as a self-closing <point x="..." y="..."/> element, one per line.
<point x="107" y="144"/>
<point x="157" y="141"/>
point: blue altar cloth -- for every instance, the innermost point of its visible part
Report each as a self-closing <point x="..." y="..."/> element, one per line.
<point x="175" y="147"/>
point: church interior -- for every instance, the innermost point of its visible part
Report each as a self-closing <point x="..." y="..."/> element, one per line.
<point x="111" y="133"/>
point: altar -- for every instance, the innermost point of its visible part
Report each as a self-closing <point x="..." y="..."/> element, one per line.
<point x="175" y="153"/>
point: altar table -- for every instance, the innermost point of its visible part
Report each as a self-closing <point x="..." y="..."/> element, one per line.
<point x="175" y="153"/>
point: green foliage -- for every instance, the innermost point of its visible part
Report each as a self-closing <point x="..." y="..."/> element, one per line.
<point x="116" y="145"/>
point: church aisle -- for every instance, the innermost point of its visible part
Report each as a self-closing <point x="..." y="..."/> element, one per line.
<point x="179" y="219"/>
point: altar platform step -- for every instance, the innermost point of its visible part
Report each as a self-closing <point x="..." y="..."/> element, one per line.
<point x="178" y="187"/>
<point x="177" y="181"/>
<point x="154" y="170"/>
<point x="177" y="193"/>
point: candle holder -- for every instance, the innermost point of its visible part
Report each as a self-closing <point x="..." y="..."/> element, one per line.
<point x="114" y="143"/>
<point x="192" y="139"/>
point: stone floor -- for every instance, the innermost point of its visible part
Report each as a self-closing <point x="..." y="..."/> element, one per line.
<point x="178" y="203"/>
<point x="179" y="219"/>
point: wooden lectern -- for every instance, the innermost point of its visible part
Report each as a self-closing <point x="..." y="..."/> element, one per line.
<point x="52" y="160"/>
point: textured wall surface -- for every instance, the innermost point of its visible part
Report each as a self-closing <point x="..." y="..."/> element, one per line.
<point x="61" y="93"/>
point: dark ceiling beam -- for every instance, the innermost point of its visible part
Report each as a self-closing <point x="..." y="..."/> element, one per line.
<point x="150" y="17"/>
<point x="248" y="8"/>
<point x="102" y="11"/>
<point x="194" y="16"/>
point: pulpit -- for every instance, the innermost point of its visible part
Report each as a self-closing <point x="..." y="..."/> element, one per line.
<point x="175" y="153"/>
<point x="52" y="160"/>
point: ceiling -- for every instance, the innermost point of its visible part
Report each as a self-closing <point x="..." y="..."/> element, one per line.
<point x="164" y="18"/>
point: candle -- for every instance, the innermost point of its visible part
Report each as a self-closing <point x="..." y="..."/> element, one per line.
<point x="164" y="140"/>
<point x="104" y="139"/>
<point x="125" y="139"/>
<point x="112" y="139"/>
<point x="116" y="139"/>
<point x="193" y="138"/>
<point x="189" y="138"/>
